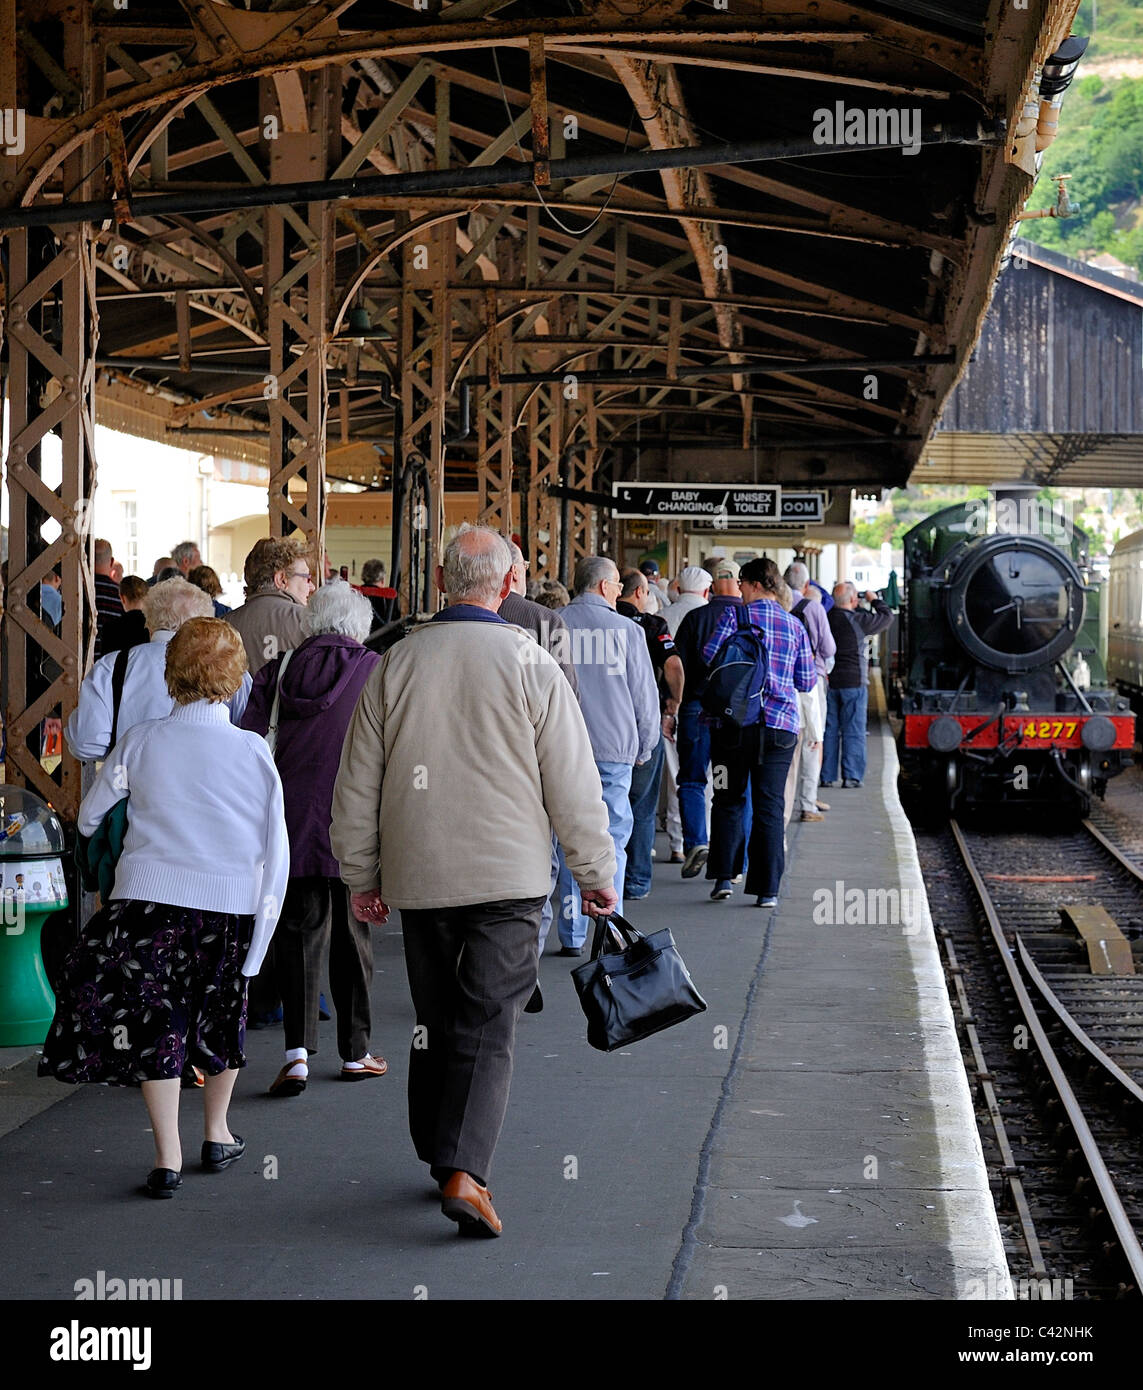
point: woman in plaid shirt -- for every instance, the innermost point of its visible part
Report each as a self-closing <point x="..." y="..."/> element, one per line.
<point x="762" y="753"/>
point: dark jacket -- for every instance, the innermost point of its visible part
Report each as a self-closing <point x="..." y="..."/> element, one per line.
<point x="850" y="627"/>
<point x="693" y="634"/>
<point x="660" y="644"/>
<point x="323" y="680"/>
<point x="546" y="626"/>
<point x="128" y="630"/>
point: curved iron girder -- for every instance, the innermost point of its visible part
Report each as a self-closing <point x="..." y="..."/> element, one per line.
<point x="668" y="126"/>
<point x="286" y="55"/>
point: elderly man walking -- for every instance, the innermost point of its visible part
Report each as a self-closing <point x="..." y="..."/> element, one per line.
<point x="460" y="758"/>
<point x="621" y="706"/>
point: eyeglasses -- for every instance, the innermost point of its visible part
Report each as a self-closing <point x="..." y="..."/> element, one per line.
<point x="301" y="574"/>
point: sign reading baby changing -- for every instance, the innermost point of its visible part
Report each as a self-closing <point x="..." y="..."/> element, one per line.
<point x="695" y="501"/>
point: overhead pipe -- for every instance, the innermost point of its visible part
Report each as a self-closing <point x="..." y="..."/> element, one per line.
<point x="638" y="376"/>
<point x="504" y="173"/>
<point x="379" y="381"/>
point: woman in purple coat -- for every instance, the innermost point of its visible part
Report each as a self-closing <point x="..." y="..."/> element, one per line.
<point x="317" y="685"/>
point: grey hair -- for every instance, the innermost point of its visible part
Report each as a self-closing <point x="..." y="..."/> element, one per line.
<point x="183" y="551"/>
<point x="173" y="602"/>
<point x="373" y="572"/>
<point x="590" y="571"/>
<point x="517" y="554"/>
<point x="797" y="575"/>
<point x="845" y="590"/>
<point x="476" y="563"/>
<point x="338" y="608"/>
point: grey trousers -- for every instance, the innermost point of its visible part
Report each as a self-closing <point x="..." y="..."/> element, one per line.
<point x="471" y="971"/>
<point x="316" y="917"/>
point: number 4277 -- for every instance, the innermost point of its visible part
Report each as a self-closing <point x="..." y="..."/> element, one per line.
<point x="1051" y="728"/>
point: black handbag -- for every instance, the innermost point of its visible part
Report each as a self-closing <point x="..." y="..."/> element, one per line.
<point x="637" y="988"/>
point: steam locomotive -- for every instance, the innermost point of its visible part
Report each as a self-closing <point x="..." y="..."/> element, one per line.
<point x="1001" y="684"/>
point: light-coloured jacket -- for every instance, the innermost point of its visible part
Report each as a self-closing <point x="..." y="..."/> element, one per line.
<point x="145" y="696"/>
<point x="269" y="623"/>
<point x="616" y="683"/>
<point x="205" y="822"/>
<point x="675" y="612"/>
<point x="466" y="749"/>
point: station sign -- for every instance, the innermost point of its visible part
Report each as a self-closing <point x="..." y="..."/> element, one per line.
<point x="717" y="502"/>
<point x="714" y="506"/>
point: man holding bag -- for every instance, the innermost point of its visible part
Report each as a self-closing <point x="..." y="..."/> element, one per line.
<point x="466" y="748"/>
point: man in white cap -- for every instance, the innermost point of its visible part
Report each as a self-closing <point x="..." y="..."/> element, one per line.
<point x="694" y="591"/>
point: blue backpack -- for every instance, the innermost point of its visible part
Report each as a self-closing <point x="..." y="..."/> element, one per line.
<point x="732" y="692"/>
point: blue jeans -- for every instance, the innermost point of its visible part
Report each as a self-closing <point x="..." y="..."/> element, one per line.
<point x="546" y="910"/>
<point x="644" y="808"/>
<point x="694" y="759"/>
<point x="756" y="764"/>
<point x="573" y="923"/>
<point x="845" y="724"/>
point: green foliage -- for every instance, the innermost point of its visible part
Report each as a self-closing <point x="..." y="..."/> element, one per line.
<point x="1117" y="30"/>
<point x="1101" y="146"/>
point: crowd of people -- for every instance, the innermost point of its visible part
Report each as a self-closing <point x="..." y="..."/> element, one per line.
<point x="332" y="784"/>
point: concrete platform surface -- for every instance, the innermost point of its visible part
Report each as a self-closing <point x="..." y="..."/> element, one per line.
<point x="809" y="1137"/>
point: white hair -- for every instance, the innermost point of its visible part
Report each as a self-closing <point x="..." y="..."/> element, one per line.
<point x="183" y="551"/>
<point x="337" y="607"/>
<point x="173" y="602"/>
<point x="476" y="563"/>
<point x="797" y="575"/>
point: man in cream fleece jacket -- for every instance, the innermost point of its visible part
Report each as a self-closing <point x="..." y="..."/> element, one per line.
<point x="466" y="748"/>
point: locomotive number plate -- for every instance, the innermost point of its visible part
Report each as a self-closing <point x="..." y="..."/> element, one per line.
<point x="1050" y="729"/>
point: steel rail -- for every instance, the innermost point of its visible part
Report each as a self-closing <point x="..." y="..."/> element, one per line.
<point x="1117" y="854"/>
<point x="1011" y="1169"/>
<point x="1074" y="1028"/>
<point x="1124" y="1231"/>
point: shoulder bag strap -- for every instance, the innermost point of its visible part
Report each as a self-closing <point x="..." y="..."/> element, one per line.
<point x="272" y="731"/>
<point x="118" y="676"/>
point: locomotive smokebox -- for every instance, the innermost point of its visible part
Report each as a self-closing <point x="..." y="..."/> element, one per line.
<point x="1015" y="602"/>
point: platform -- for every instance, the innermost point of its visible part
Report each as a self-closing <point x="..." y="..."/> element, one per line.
<point x="810" y="1137"/>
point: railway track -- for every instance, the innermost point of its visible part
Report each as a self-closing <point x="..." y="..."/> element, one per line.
<point x="1069" y="1164"/>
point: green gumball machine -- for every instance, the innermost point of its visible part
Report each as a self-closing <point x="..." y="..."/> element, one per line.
<point x="32" y="889"/>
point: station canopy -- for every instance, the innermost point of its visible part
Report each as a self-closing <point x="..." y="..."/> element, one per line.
<point x="502" y="208"/>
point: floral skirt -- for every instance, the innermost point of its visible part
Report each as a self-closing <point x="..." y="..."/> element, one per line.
<point x="149" y="991"/>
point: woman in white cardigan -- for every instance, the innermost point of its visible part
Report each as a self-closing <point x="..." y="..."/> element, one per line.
<point x="157" y="981"/>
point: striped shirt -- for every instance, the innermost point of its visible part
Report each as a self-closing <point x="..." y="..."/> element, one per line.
<point x="790" y="662"/>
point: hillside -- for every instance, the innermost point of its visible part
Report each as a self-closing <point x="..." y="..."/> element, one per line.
<point x="1115" y="27"/>
<point x="1101" y="146"/>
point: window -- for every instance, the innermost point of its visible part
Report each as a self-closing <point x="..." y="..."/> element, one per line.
<point x="129" y="529"/>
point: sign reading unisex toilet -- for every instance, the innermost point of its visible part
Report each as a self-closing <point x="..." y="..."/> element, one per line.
<point x="690" y="501"/>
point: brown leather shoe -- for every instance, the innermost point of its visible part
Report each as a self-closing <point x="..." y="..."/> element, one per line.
<point x="470" y="1206"/>
<point x="812" y="815"/>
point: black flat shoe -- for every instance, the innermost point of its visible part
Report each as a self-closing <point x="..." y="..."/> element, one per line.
<point x="162" y="1182"/>
<point x="216" y="1157"/>
<point x="535" y="1005"/>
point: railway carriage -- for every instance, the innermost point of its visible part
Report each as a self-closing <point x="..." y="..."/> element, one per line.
<point x="1001" y="681"/>
<point x="1125" y="619"/>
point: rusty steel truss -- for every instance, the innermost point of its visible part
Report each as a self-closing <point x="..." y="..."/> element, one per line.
<point x="495" y="247"/>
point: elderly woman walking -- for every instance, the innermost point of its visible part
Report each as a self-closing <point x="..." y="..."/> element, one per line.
<point x="157" y="981"/>
<point x="139" y="675"/>
<point x="305" y="699"/>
